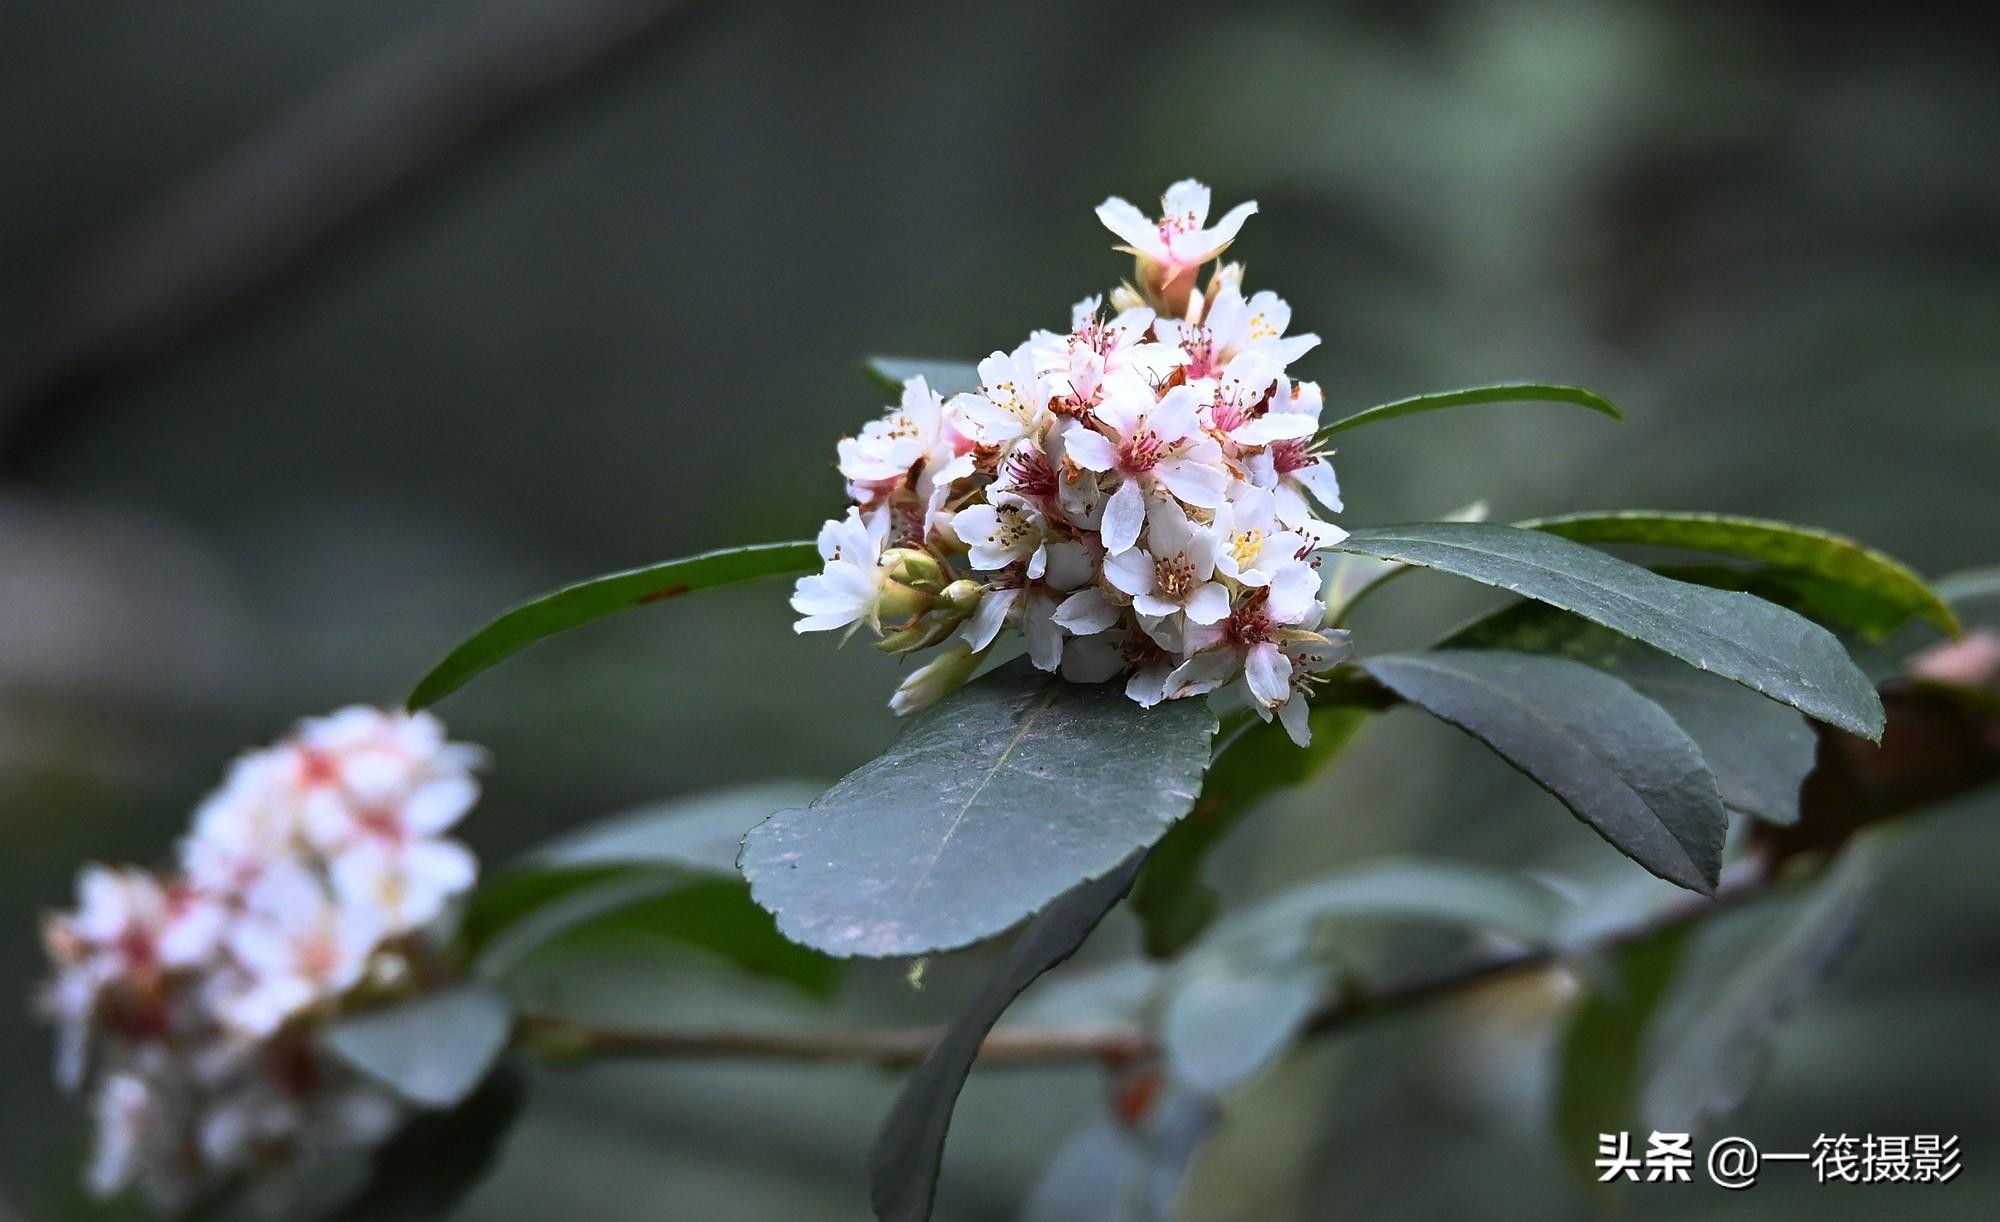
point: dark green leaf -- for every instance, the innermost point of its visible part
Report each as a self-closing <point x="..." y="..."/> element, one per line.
<point x="1612" y="756"/>
<point x="432" y="1050"/>
<point x="665" y="873"/>
<point x="1714" y="1040"/>
<point x="1005" y="795"/>
<point x="947" y="378"/>
<point x="1347" y="578"/>
<point x="1245" y="994"/>
<point x="601" y="596"/>
<point x="1171" y="900"/>
<point x="903" y="1165"/>
<point x="1598" y="1069"/>
<point x="1502" y="392"/>
<point x="423" y="1172"/>
<point x="1876" y="578"/>
<point x="1760" y="752"/>
<point x="1738" y="636"/>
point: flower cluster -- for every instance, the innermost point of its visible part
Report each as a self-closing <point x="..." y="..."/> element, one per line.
<point x="1137" y="495"/>
<point x="186" y="1004"/>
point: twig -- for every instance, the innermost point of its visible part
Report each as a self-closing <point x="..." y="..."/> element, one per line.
<point x="1113" y="1043"/>
<point x="339" y="158"/>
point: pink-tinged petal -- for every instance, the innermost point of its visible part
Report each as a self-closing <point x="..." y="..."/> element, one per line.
<point x="1045" y="640"/>
<point x="1275" y="426"/>
<point x="1224" y="231"/>
<point x="1147" y="686"/>
<point x="1268" y="672"/>
<point x="1130" y="572"/>
<point x="437" y="805"/>
<point x="1069" y="565"/>
<point x="1124" y="514"/>
<point x="1319" y="480"/>
<point x="1296" y="716"/>
<point x="1086" y="613"/>
<point x="444" y="866"/>
<point x="989" y="617"/>
<point x="1209" y="604"/>
<point x="1292" y="347"/>
<point x="1177" y="414"/>
<point x="1201" y="674"/>
<point x="1294" y="594"/>
<point x="1132" y="226"/>
<point x="1186" y="201"/>
<point x="1089" y="450"/>
<point x="1196" y="483"/>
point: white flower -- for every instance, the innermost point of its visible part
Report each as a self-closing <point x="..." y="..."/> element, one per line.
<point x="1172" y="575"/>
<point x="1256" y="545"/>
<point x="1309" y="657"/>
<point x="1076" y="366"/>
<point x="1138" y="496"/>
<point x="1232" y="329"/>
<point x="1012" y="402"/>
<point x="888" y="448"/>
<point x="1181" y="239"/>
<point x="849" y="589"/>
<point x="1002" y="534"/>
<point x="1296" y="468"/>
<point x="1145" y="441"/>
<point x="295" y="947"/>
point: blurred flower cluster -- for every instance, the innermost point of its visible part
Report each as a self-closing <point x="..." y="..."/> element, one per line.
<point x="186" y="1004"/>
<point x="1137" y="496"/>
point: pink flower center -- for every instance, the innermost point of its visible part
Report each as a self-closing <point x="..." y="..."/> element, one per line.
<point x="1250" y="624"/>
<point x="1293" y="454"/>
<point x="1141" y="452"/>
<point x="1030" y="473"/>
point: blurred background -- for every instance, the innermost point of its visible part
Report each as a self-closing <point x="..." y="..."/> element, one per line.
<point x="327" y="331"/>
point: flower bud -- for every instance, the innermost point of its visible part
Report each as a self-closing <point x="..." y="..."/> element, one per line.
<point x="913" y="566"/>
<point x="899" y="603"/>
<point x="961" y="597"/>
<point x="936" y="679"/>
<point x="922" y="634"/>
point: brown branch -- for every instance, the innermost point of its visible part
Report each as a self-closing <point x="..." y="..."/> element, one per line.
<point x="349" y="150"/>
<point x="1113" y="1043"/>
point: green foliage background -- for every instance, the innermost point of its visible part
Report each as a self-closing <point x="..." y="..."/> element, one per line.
<point x="631" y="330"/>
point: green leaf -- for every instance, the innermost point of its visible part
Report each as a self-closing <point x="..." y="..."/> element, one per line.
<point x="432" y="1050"/>
<point x="1599" y="1065"/>
<point x="1346" y="578"/>
<point x="1002" y="797"/>
<point x="1247" y="992"/>
<point x="947" y="378"/>
<point x="1612" y="756"/>
<point x="1738" y="636"/>
<point x="903" y="1164"/>
<point x="436" y="1159"/>
<point x="1760" y="752"/>
<point x="665" y="872"/>
<point x="1501" y="392"/>
<point x="601" y="596"/>
<point x="1877" y="579"/>
<point x="1714" y="1041"/>
<point x="1171" y="901"/>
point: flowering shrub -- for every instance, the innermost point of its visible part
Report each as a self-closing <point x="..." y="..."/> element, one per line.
<point x="187" y="1004"/>
<point x="1136" y="495"/>
<point x="1138" y="498"/>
